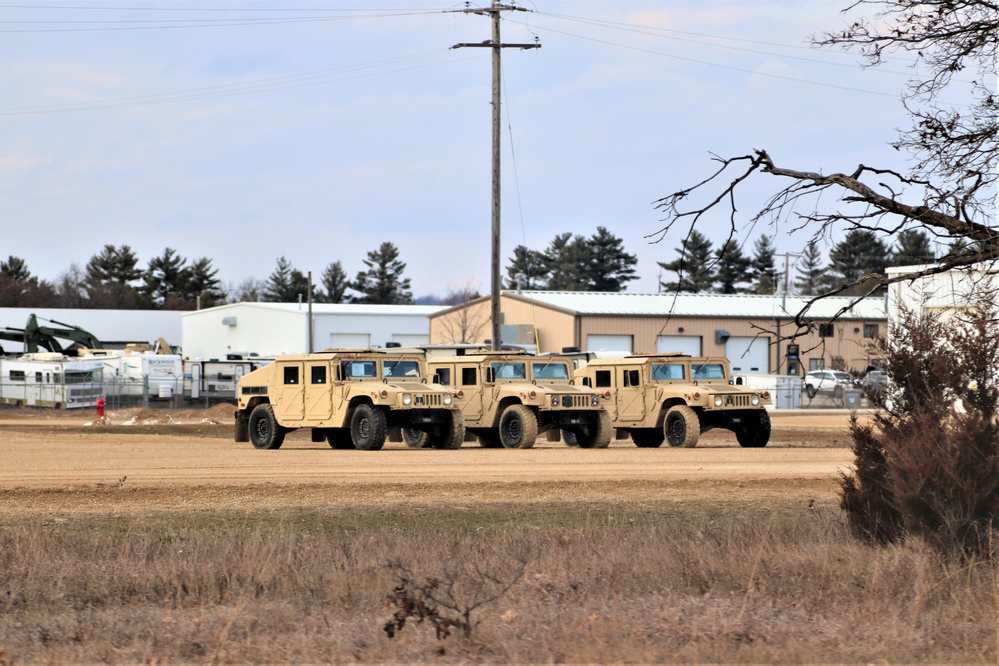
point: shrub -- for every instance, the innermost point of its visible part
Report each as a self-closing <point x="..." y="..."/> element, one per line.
<point x="928" y="464"/>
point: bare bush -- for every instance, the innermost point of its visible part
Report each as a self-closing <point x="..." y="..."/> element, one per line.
<point x="928" y="463"/>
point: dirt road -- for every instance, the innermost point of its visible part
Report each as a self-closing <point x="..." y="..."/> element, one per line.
<point x="187" y="460"/>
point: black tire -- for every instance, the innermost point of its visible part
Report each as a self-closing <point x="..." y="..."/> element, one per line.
<point x="415" y="439"/>
<point x="242" y="429"/>
<point x="265" y="433"/>
<point x="449" y="435"/>
<point x="810" y="391"/>
<point x="490" y="440"/>
<point x="596" y="435"/>
<point x="518" y="427"/>
<point x="681" y="427"/>
<point x="755" y="433"/>
<point x="368" y="428"/>
<point x="648" y="438"/>
<point x="339" y="438"/>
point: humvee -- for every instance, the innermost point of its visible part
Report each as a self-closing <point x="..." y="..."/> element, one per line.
<point x="674" y="398"/>
<point x="350" y="398"/>
<point x="508" y="398"/>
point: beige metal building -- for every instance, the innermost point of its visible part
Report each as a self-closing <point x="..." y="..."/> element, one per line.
<point x="753" y="332"/>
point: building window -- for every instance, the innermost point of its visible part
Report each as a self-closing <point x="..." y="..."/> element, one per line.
<point x="291" y="374"/>
<point x="38" y="377"/>
<point x="17" y="375"/>
<point x="816" y="364"/>
<point x="318" y="374"/>
<point x="870" y="330"/>
<point x="826" y="330"/>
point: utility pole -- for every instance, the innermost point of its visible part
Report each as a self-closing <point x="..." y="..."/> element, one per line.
<point x="783" y="305"/>
<point x="496" y="45"/>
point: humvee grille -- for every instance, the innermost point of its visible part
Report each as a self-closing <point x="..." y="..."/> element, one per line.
<point x="431" y="400"/>
<point x="575" y="401"/>
<point x="737" y="400"/>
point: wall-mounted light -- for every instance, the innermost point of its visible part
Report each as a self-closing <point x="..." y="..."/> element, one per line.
<point x="680" y="329"/>
<point x="228" y="321"/>
<point x="856" y="330"/>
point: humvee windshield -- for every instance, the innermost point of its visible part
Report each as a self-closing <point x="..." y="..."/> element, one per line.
<point x="359" y="369"/>
<point x="402" y="369"/>
<point x="708" y="370"/>
<point x="509" y="370"/>
<point x="662" y="372"/>
<point x="550" y="371"/>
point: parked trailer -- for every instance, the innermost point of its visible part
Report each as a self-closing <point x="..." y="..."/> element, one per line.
<point x="50" y="379"/>
<point x="131" y="377"/>
<point x="215" y="380"/>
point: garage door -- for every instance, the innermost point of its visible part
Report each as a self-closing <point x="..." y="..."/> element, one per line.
<point x="350" y="340"/>
<point x="748" y="355"/>
<point x="685" y="344"/>
<point x="609" y="343"/>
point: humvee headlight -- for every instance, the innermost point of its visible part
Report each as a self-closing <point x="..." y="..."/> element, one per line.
<point x="595" y="400"/>
<point x="554" y="401"/>
<point x="718" y="401"/>
<point x="407" y="399"/>
<point x="447" y="398"/>
<point x="755" y="399"/>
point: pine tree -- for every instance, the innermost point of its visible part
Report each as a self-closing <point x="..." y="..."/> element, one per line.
<point x="527" y="269"/>
<point x="285" y="284"/>
<point x="109" y="277"/>
<point x="335" y="283"/>
<point x="15" y="269"/>
<point x="860" y="253"/>
<point x="913" y="247"/>
<point x="166" y="278"/>
<point x="732" y="268"/>
<point x="694" y="267"/>
<point x="762" y="271"/>
<point x="383" y="283"/>
<point x="568" y="259"/>
<point x="203" y="282"/>
<point x="812" y="279"/>
<point x="610" y="266"/>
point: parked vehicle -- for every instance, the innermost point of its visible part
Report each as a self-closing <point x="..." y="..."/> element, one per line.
<point x="350" y="398"/>
<point x="828" y="381"/>
<point x="50" y="379"/>
<point x="675" y="397"/>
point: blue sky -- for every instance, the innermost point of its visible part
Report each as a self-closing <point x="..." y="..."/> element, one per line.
<point x="318" y="130"/>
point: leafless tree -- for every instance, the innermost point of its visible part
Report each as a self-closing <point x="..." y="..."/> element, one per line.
<point x="466" y="324"/>
<point x="950" y="190"/>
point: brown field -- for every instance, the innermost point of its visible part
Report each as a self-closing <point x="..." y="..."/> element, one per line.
<point x="170" y="543"/>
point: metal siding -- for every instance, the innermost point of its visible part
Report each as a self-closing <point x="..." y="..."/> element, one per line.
<point x="555" y="329"/>
<point x="471" y="322"/>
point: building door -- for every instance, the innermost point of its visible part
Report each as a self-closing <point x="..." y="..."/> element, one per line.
<point x="685" y="344"/>
<point x="748" y="355"/>
<point x="623" y="343"/>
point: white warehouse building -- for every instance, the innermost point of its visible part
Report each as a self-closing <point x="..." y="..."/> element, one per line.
<point x="271" y="329"/>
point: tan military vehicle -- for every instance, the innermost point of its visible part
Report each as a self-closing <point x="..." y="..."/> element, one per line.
<point x="350" y="398"/>
<point x="675" y="398"/>
<point x="507" y="399"/>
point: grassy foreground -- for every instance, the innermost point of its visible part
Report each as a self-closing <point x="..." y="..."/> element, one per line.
<point x="778" y="580"/>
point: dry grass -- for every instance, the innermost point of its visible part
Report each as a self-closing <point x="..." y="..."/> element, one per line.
<point x="664" y="581"/>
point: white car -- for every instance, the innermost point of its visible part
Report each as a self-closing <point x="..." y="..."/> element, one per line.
<point x="829" y="381"/>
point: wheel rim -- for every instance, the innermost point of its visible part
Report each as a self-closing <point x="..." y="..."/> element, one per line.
<point x="364" y="429"/>
<point x="514" y="432"/>
<point x="263" y="429"/>
<point x="677" y="430"/>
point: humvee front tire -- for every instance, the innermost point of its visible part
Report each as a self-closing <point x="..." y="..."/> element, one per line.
<point x="756" y="432"/>
<point x="449" y="435"/>
<point x="368" y="428"/>
<point x="518" y="427"/>
<point x="265" y="433"/>
<point x="682" y="427"/>
<point x="596" y="435"/>
<point x="415" y="439"/>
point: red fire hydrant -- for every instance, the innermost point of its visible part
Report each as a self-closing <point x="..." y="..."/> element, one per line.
<point x="100" y="407"/>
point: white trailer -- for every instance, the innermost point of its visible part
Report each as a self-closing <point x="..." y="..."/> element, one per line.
<point x="48" y="379"/>
<point x="133" y="376"/>
<point x="215" y="380"/>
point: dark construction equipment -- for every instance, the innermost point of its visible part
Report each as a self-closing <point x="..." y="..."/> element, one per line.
<point x="35" y="337"/>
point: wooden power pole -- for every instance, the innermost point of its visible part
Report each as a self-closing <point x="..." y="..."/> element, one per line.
<point x="494" y="12"/>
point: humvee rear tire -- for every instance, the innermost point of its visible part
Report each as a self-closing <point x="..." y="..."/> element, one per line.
<point x="339" y="438"/>
<point x="647" y="438"/>
<point x="265" y="433"/>
<point x="490" y="440"/>
<point x="756" y="432"/>
<point x="449" y="435"/>
<point x="415" y="439"/>
<point x="682" y="427"/>
<point x="368" y="428"/>
<point x="596" y="435"/>
<point x="518" y="427"/>
<point x="242" y="430"/>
